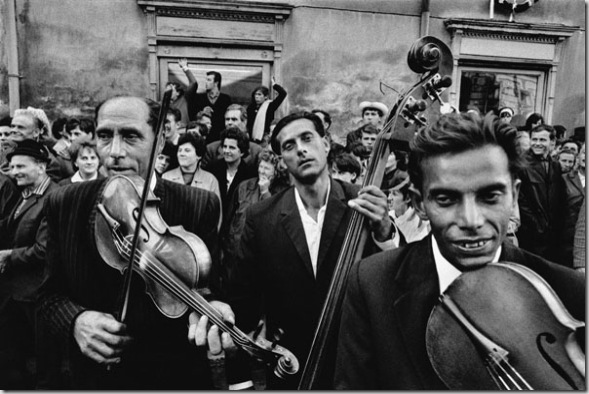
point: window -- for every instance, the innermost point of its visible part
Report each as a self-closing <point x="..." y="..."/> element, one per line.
<point x="488" y="89"/>
<point x="238" y="79"/>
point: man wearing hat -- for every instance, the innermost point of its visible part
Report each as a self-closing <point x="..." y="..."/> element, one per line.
<point x="22" y="260"/>
<point x="372" y="113"/>
<point x="506" y="114"/>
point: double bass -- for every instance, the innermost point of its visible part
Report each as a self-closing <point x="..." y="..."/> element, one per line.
<point x="414" y="109"/>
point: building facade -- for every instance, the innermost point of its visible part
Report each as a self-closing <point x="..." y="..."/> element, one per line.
<point x="65" y="56"/>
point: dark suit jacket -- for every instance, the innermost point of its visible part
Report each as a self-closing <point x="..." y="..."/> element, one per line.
<point x="389" y="298"/>
<point x="78" y="280"/>
<point x="274" y="276"/>
<point x="198" y="101"/>
<point x="219" y="170"/>
<point x="541" y="205"/>
<point x="9" y="196"/>
<point x="27" y="233"/>
<point x="575" y="195"/>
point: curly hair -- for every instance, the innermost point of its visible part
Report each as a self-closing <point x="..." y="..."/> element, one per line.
<point x="460" y="132"/>
<point x="198" y="141"/>
<point x="241" y="137"/>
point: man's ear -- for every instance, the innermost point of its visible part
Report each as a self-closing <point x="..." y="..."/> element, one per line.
<point x="417" y="200"/>
<point x="516" y="186"/>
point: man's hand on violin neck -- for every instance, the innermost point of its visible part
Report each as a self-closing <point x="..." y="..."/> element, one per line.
<point x="100" y="336"/>
<point x="202" y="334"/>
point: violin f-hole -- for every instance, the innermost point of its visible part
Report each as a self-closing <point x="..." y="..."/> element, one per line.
<point x="145" y="232"/>
<point x="545" y="342"/>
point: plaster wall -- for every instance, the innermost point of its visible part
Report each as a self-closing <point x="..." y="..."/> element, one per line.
<point x="73" y="53"/>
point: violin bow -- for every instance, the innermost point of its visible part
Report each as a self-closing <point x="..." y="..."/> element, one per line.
<point x="158" y="142"/>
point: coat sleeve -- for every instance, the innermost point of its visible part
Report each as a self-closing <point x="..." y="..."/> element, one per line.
<point x="190" y="95"/>
<point x="354" y="368"/>
<point x="33" y="254"/>
<point x="56" y="310"/>
<point x="579" y="241"/>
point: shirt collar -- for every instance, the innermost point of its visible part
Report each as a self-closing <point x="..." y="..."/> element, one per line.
<point x="39" y="190"/>
<point x="446" y="271"/>
<point x="78" y="178"/>
<point x="301" y="204"/>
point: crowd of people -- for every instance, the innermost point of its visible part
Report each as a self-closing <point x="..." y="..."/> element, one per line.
<point x="271" y="199"/>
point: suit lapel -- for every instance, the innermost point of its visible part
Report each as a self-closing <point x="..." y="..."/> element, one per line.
<point x="577" y="182"/>
<point x="28" y="204"/>
<point x="336" y="209"/>
<point x="291" y="221"/>
<point x="419" y="280"/>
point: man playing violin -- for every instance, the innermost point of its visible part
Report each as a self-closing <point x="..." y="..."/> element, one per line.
<point x="464" y="172"/>
<point x="80" y="295"/>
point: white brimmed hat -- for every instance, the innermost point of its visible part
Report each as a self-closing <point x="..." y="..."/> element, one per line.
<point x="384" y="110"/>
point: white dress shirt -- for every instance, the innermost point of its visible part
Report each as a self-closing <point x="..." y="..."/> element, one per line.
<point x="446" y="271"/>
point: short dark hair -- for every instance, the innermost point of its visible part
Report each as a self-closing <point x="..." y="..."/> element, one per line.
<point x="196" y="140"/>
<point x="176" y="112"/>
<point x="57" y="127"/>
<point x="533" y="118"/>
<point x="217" y="77"/>
<point x="326" y="116"/>
<point x="544" y="127"/>
<point x="196" y="124"/>
<point x="78" y="147"/>
<point x="6" y="121"/>
<point x="571" y="141"/>
<point x="291" y="118"/>
<point x="88" y="126"/>
<point x="171" y="151"/>
<point x="369" y="129"/>
<point x="152" y="106"/>
<point x="461" y="132"/>
<point x="345" y="162"/>
<point x="263" y="89"/>
<point x="241" y="137"/>
<point x="71" y="124"/>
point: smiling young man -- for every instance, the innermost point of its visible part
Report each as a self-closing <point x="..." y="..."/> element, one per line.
<point x="542" y="197"/>
<point x="391" y="295"/>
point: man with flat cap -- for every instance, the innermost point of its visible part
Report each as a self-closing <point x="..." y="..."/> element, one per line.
<point x="22" y="260"/>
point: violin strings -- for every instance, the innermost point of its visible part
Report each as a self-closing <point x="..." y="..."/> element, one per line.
<point x="494" y="364"/>
<point x="183" y="294"/>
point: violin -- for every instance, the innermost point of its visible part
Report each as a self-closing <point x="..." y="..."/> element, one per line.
<point x="417" y="106"/>
<point x="132" y="237"/>
<point x="172" y="262"/>
<point x="503" y="327"/>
